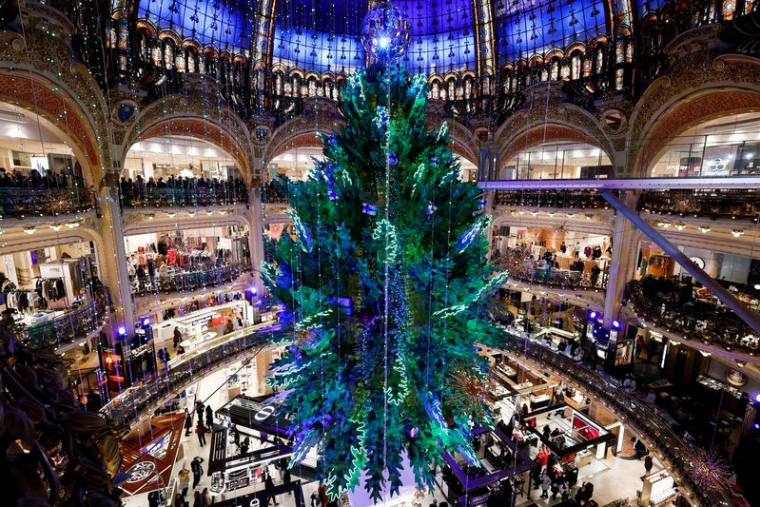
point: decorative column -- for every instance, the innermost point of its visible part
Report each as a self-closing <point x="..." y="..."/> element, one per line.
<point x="115" y="263"/>
<point x="257" y="233"/>
<point x="623" y="256"/>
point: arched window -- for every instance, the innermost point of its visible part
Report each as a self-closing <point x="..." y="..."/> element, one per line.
<point x="575" y="66"/>
<point x="599" y="59"/>
<point x="168" y="50"/>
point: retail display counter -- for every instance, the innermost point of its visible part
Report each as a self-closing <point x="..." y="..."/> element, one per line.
<point x="658" y="490"/>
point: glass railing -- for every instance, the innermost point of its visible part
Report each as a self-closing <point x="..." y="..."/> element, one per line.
<point x="129" y="406"/>
<point x="74" y="324"/>
<point x="191" y="196"/>
<point x="187" y="281"/>
<point x="25" y="202"/>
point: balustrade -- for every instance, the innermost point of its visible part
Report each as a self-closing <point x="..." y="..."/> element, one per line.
<point x="74" y="324"/>
<point x="193" y="195"/>
<point x="695" y="320"/>
<point x="24" y="202"/>
<point x="731" y="204"/>
<point x="557" y="199"/>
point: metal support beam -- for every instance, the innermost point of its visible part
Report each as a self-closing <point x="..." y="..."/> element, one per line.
<point x="747" y="315"/>
<point x="727" y="182"/>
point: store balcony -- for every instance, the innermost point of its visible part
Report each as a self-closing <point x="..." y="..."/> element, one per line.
<point x="58" y="329"/>
<point x="271" y="194"/>
<point x="713" y="204"/>
<point x="565" y="274"/>
<point x="186" y="281"/>
<point x="194" y="195"/>
<point x="555" y="199"/>
<point x="695" y="319"/>
<point x="22" y="202"/>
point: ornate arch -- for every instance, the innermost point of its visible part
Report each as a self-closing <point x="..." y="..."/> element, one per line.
<point x="60" y="111"/>
<point x="545" y="118"/>
<point x="40" y="73"/>
<point x="690" y="111"/>
<point x="300" y="132"/>
<point x="197" y="118"/>
<point x="700" y="85"/>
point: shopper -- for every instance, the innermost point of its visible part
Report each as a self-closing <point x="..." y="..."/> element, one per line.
<point x="177" y="337"/>
<point x="207" y="497"/>
<point x="648" y="464"/>
<point x="269" y="486"/>
<point x="209" y="417"/>
<point x="315" y="500"/>
<point x="580" y="495"/>
<point x="197" y="469"/>
<point x="179" y="501"/>
<point x="286" y="478"/>
<point x="184" y="481"/>
<point x="201" y="431"/>
<point x="228" y="327"/>
<point x="188" y="423"/>
<point x="546" y="483"/>
<point x="199" y="500"/>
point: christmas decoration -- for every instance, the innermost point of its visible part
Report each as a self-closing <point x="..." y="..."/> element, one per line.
<point x="386" y="306"/>
<point x="385" y="32"/>
<point x="468" y="387"/>
<point x="709" y="470"/>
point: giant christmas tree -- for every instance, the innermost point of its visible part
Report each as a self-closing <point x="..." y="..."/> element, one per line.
<point x="383" y="285"/>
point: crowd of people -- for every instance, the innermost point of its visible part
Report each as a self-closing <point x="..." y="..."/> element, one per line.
<point x="555" y="485"/>
<point x="271" y="194"/>
<point x="33" y="179"/>
<point x="33" y="194"/>
<point x="181" y="191"/>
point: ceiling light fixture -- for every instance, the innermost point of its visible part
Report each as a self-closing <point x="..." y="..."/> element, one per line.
<point x="737" y="232"/>
<point x="30" y="229"/>
<point x="704" y="229"/>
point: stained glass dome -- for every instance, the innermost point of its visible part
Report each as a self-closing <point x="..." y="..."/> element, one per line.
<point x="323" y="36"/>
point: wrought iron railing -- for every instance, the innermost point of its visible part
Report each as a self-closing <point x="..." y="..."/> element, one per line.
<point x="192" y="196"/>
<point x="557" y="199"/>
<point x="25" y="202"/>
<point x="729" y="204"/>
